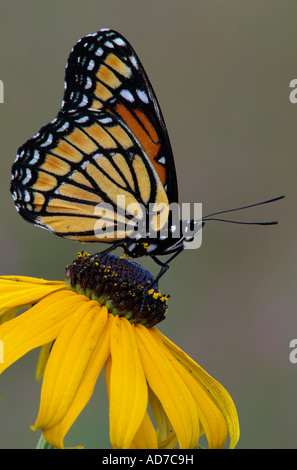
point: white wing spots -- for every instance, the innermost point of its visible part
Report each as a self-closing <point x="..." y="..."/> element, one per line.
<point x="89" y="83"/>
<point x="19" y="155"/>
<point x="161" y="160"/>
<point x="104" y="30"/>
<point x="91" y="47"/>
<point x="127" y="95"/>
<point x="119" y="42"/>
<point x="27" y="196"/>
<point x="97" y="156"/>
<point x="82" y="120"/>
<point x="28" y="176"/>
<point x="36" y="156"/>
<point x="48" y="141"/>
<point x="109" y="44"/>
<point x="105" y="120"/>
<point x="143" y="96"/>
<point x="85" y="164"/>
<point x="128" y="71"/>
<point x="99" y="52"/>
<point x="133" y="60"/>
<point x="84" y="101"/>
<point x="91" y="65"/>
<point x="91" y="35"/>
<point x="64" y="127"/>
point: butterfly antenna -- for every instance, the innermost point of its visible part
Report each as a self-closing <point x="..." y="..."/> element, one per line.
<point x="211" y="216"/>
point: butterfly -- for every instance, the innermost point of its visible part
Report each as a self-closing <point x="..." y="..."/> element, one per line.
<point x="103" y="169"/>
<point x="104" y="165"/>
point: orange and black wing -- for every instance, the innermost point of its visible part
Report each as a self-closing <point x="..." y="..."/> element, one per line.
<point x="85" y="177"/>
<point x="104" y="73"/>
<point x="104" y="165"/>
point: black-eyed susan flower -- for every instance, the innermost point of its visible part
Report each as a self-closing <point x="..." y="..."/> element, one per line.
<point x="158" y="396"/>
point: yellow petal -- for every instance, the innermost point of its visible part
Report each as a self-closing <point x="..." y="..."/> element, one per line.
<point x="7" y="314"/>
<point x="166" y="435"/>
<point x="212" y="420"/>
<point x="165" y="382"/>
<point x="99" y="356"/>
<point x="68" y="361"/>
<point x="37" y="326"/>
<point x="29" y="280"/>
<point x="18" y="291"/>
<point x="216" y="391"/>
<point x="128" y="388"/>
<point x="145" y="437"/>
<point x="42" y="360"/>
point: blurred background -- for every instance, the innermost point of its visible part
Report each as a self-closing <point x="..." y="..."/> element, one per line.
<point x="221" y="72"/>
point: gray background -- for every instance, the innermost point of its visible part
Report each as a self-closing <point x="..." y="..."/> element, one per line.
<point x="221" y="71"/>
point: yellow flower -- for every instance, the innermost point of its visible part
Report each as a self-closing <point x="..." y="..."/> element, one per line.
<point x="80" y="335"/>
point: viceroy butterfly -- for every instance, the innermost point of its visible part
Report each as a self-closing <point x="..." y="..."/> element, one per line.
<point x="108" y="139"/>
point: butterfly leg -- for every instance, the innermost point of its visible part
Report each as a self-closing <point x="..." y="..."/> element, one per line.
<point x="164" y="268"/>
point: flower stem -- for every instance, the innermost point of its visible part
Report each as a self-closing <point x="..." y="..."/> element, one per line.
<point x="43" y="444"/>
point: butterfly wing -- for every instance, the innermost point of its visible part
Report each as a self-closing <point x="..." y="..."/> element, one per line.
<point x="84" y="176"/>
<point x="104" y="73"/>
<point x="109" y="141"/>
